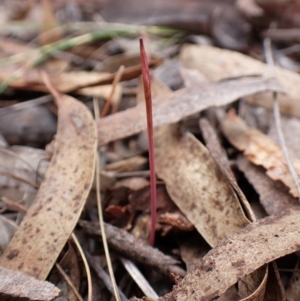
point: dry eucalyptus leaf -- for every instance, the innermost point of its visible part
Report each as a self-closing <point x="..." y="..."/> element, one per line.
<point x="219" y="155"/>
<point x="196" y="184"/>
<point x="180" y="104"/>
<point x="52" y="217"/>
<point x="259" y="149"/>
<point x="216" y="64"/>
<point x="129" y="164"/>
<point x="63" y="82"/>
<point x="17" y="284"/>
<point x="240" y="254"/>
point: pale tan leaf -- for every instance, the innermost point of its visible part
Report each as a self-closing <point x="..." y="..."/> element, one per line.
<point x="242" y="253"/>
<point x="130" y="164"/>
<point x="17" y="284"/>
<point x="196" y="184"/>
<point x="180" y="104"/>
<point x="259" y="149"/>
<point x="219" y="155"/>
<point x="217" y="64"/>
<point x="59" y="202"/>
<point x="103" y="91"/>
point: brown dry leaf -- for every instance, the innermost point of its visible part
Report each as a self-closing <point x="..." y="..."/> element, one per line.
<point x="216" y="64"/>
<point x="50" y="32"/>
<point x="59" y="202"/>
<point x="69" y="263"/>
<point x="242" y="253"/>
<point x="130" y="164"/>
<point x="219" y="155"/>
<point x="63" y="82"/>
<point x="254" y="286"/>
<point x="133" y="183"/>
<point x="274" y="196"/>
<point x="66" y="81"/>
<point x="180" y="104"/>
<point x="17" y="284"/>
<point x="259" y="149"/>
<point x="103" y="91"/>
<point x="196" y="184"/>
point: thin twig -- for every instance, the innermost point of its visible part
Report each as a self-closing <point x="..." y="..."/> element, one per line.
<point x="100" y="213"/>
<point x="116" y="80"/>
<point x="69" y="281"/>
<point x="277" y="117"/>
<point x="86" y="265"/>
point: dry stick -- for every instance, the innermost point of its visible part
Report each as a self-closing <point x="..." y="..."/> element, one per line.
<point x="148" y="100"/>
<point x="69" y="281"/>
<point x="277" y="117"/>
<point x="86" y="265"/>
<point x="116" y="80"/>
<point x="100" y="214"/>
<point x="136" y="249"/>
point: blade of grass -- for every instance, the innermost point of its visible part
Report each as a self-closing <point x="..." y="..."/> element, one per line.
<point x="114" y="85"/>
<point x="100" y="214"/>
<point x="148" y="101"/>
<point x="86" y="265"/>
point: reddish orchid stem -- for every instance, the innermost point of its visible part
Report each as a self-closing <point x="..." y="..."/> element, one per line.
<point x="148" y="100"/>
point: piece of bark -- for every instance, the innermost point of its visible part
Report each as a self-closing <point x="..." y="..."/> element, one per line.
<point x="17" y="284"/>
<point x="135" y="249"/>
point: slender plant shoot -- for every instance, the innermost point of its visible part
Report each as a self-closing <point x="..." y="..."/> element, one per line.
<point x="148" y="100"/>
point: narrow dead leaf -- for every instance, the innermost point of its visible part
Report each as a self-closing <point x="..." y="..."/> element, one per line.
<point x="180" y="104"/>
<point x="259" y="149"/>
<point x="59" y="202"/>
<point x="196" y="184"/>
<point x="17" y="284"/>
<point x="217" y="64"/>
<point x="242" y="253"/>
<point x="103" y="91"/>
